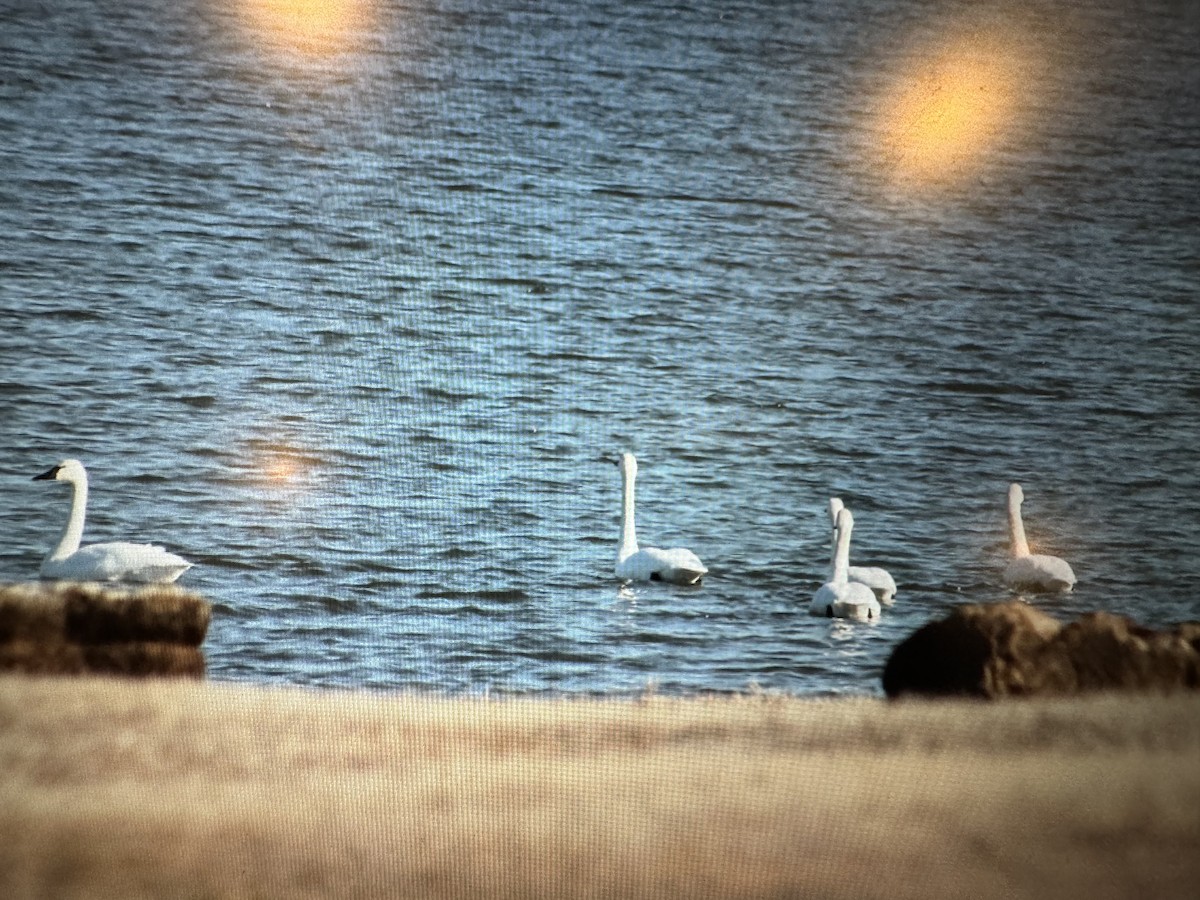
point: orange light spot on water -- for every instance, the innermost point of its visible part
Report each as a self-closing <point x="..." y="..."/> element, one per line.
<point x="945" y="117"/>
<point x="281" y="469"/>
<point x="307" y="27"/>
<point x="277" y="464"/>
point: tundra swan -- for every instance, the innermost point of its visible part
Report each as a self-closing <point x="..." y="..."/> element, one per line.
<point x="1035" y="572"/>
<point x="118" y="561"/>
<point x="878" y="580"/>
<point x="839" y="597"/>
<point x="676" y="565"/>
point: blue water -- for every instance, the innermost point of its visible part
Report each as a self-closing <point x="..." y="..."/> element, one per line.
<point x="349" y="325"/>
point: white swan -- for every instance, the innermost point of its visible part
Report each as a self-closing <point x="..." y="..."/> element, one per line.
<point x="878" y="580"/>
<point x="118" y="561"/>
<point x="1031" y="571"/>
<point x="839" y="597"/>
<point x="649" y="563"/>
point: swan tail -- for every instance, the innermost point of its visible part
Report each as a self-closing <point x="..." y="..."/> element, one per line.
<point x="684" y="576"/>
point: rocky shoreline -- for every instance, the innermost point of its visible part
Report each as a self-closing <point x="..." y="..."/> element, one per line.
<point x="150" y="787"/>
<point x="72" y="628"/>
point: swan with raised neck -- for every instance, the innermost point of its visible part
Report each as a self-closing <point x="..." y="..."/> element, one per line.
<point x="879" y="580"/>
<point x="1033" y="572"/>
<point x="117" y="561"/>
<point x="634" y="563"/>
<point x="840" y="597"/>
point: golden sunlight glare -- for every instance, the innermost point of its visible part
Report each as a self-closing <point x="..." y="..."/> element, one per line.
<point x="276" y="464"/>
<point x="306" y="27"/>
<point x="281" y="469"/>
<point x="944" y="119"/>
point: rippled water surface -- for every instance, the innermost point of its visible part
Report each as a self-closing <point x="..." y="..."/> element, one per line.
<point x="348" y="316"/>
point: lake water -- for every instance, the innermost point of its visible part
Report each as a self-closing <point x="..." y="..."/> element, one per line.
<point x="347" y="317"/>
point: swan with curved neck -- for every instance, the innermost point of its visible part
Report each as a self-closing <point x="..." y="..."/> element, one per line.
<point x="879" y="580"/>
<point x="116" y="561"/>
<point x="635" y="563"/>
<point x="1031" y="571"/>
<point x="839" y="597"/>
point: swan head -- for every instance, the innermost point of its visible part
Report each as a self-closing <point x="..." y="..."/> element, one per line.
<point x="1016" y="496"/>
<point x="845" y="521"/>
<point x="68" y="470"/>
<point x="628" y="465"/>
<point x="623" y="461"/>
<point x="835" y="507"/>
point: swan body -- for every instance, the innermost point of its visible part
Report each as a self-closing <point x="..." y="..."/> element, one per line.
<point x="1035" y="572"/>
<point x="839" y="597"/>
<point x="116" y="561"/>
<point x="635" y="563"/>
<point x="879" y="580"/>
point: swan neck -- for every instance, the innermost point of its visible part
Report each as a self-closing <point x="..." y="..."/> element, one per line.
<point x="841" y="554"/>
<point x="629" y="544"/>
<point x="73" y="532"/>
<point x="1016" y="529"/>
<point x="833" y="549"/>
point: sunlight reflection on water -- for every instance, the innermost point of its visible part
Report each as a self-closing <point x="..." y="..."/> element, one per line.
<point x="306" y="28"/>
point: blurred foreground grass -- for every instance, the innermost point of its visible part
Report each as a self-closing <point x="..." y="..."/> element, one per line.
<point x="113" y="788"/>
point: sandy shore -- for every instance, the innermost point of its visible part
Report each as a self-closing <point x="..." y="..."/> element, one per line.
<point x="116" y="788"/>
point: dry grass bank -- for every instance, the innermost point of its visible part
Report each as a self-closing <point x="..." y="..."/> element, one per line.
<point x="180" y="789"/>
